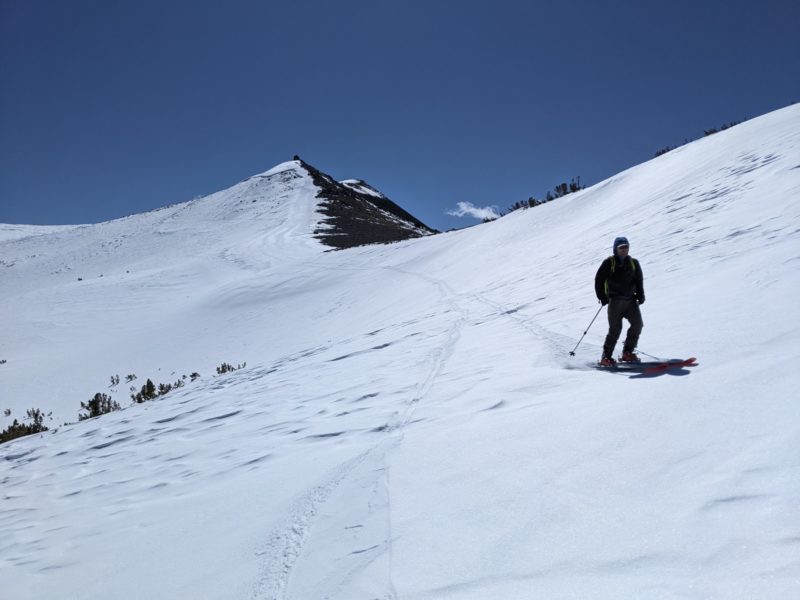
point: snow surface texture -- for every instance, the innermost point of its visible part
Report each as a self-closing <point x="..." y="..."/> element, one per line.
<point x="409" y="423"/>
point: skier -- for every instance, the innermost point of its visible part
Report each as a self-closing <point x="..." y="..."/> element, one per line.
<point x="618" y="283"/>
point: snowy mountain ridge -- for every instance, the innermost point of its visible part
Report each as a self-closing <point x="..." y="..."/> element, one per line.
<point x="409" y="423"/>
<point x="267" y="222"/>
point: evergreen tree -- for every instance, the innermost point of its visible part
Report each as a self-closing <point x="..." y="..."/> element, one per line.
<point x="100" y="404"/>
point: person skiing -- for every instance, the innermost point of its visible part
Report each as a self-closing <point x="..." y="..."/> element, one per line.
<point x="619" y="283"/>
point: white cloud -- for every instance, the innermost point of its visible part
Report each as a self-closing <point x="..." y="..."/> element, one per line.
<point x="468" y="209"/>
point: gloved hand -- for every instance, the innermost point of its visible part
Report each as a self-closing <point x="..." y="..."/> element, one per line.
<point x="640" y="299"/>
<point x="603" y="301"/>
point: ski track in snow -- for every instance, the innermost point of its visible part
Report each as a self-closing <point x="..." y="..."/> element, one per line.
<point x="285" y="546"/>
<point x="441" y="354"/>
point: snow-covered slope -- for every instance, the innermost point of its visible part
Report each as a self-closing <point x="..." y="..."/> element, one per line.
<point x="409" y="423"/>
<point x="131" y="296"/>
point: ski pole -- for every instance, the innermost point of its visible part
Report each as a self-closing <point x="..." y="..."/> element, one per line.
<point x="650" y="355"/>
<point x="587" y="331"/>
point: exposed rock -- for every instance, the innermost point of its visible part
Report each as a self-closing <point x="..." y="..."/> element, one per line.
<point x="356" y="214"/>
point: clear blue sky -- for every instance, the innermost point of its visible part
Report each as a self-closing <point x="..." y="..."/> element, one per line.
<point x="110" y="107"/>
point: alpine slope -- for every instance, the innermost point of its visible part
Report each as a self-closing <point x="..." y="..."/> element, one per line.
<point x="408" y="422"/>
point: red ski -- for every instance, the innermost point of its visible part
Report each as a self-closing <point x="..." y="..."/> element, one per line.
<point x="649" y="366"/>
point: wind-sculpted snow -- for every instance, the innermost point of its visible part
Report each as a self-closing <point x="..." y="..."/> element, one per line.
<point x="410" y="423"/>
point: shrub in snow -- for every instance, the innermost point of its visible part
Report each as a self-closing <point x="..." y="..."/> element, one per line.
<point x="562" y="189"/>
<point x="225" y="368"/>
<point x="130" y="378"/>
<point x="195" y="376"/>
<point x="17" y="429"/>
<point x="148" y="392"/>
<point x="99" y="405"/>
<point x="713" y="130"/>
<point x="706" y="133"/>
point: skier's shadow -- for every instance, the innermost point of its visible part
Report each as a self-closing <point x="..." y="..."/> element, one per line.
<point x="675" y="371"/>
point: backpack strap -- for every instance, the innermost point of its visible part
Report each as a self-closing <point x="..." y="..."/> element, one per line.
<point x="614" y="264"/>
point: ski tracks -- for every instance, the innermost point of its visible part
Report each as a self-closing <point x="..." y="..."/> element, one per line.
<point x="286" y="543"/>
<point x="351" y="509"/>
<point x="370" y="524"/>
<point x="441" y="354"/>
<point x="555" y="341"/>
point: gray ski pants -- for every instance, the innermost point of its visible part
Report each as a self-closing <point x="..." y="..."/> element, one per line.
<point x="618" y="309"/>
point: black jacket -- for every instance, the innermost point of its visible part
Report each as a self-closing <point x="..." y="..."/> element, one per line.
<point x="617" y="279"/>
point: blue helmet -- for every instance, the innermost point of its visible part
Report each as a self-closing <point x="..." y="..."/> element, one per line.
<point x="620" y="241"/>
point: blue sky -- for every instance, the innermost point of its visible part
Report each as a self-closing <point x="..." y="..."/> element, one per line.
<point x="109" y="107"/>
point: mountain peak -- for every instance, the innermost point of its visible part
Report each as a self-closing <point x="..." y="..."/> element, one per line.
<point x="355" y="213"/>
<point x="290" y="166"/>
